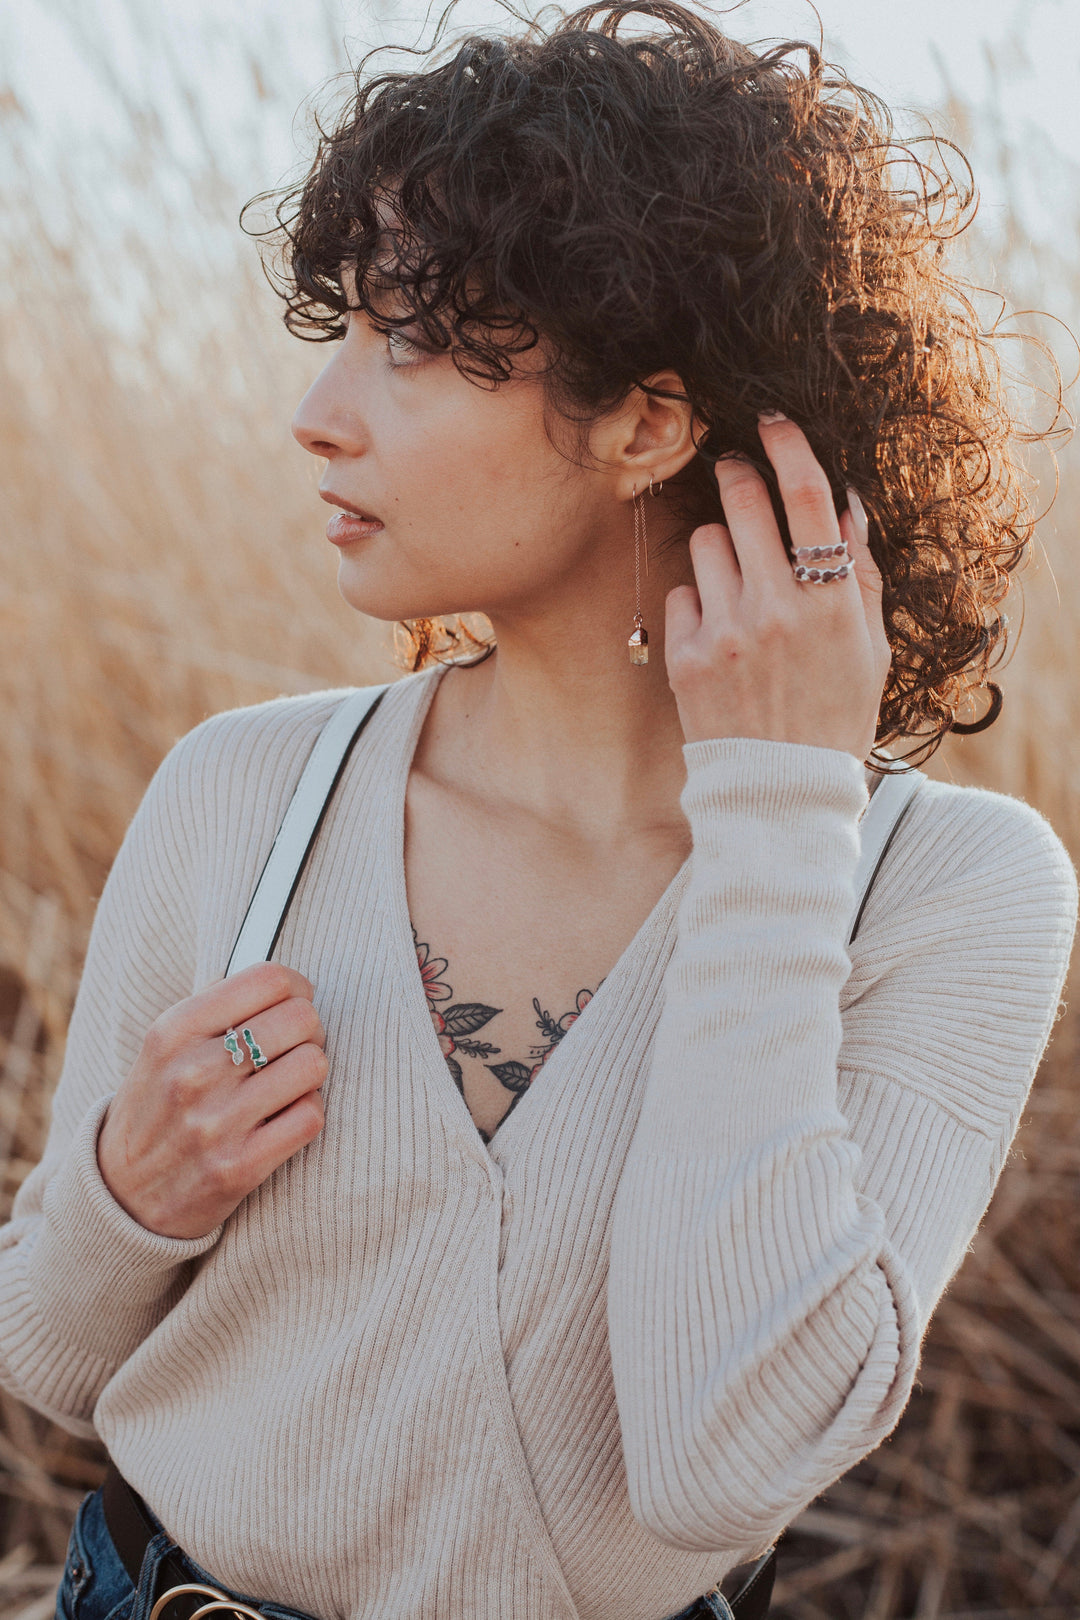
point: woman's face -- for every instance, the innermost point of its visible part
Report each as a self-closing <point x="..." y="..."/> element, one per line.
<point x="476" y="508"/>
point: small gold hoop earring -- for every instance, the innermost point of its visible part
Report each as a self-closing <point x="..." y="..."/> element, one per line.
<point x="659" y="487"/>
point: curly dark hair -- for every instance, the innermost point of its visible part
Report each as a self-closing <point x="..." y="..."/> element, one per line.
<point x="636" y="201"/>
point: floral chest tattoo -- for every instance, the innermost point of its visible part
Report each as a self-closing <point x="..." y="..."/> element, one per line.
<point x="458" y="1024"/>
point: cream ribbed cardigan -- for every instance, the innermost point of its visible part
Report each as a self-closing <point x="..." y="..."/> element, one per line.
<point x="585" y="1371"/>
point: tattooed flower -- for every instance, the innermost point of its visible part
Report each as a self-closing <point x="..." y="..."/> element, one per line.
<point x="447" y="1043"/>
<point x="582" y="1001"/>
<point x="430" y="969"/>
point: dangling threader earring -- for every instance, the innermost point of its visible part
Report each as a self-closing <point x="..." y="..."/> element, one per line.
<point x="639" y="640"/>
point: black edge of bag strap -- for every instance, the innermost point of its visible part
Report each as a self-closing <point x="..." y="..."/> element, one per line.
<point x="343" y="761"/>
<point x="879" y="863"/>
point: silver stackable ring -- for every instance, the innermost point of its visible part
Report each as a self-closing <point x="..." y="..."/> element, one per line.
<point x="813" y="554"/>
<point x="807" y="559"/>
<point x="821" y="576"/>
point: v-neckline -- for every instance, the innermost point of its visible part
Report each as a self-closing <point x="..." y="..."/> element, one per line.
<point x="429" y="1054"/>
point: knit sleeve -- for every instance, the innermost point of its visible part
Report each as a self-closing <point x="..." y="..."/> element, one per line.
<point x="81" y="1282"/>
<point x="804" y="1180"/>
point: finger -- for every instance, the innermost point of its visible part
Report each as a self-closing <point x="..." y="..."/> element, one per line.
<point x="804" y="488"/>
<point x="682" y="615"/>
<point x="755" y="535"/>
<point x="291" y="1076"/>
<point x="855" y="530"/>
<point x="235" y="1001"/>
<point x="716" y="570"/>
<point x="290" y="1023"/>
<point x="278" y="1138"/>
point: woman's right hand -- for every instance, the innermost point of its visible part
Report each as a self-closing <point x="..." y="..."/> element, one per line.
<point x="188" y="1135"/>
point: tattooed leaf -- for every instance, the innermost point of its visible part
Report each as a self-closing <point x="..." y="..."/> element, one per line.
<point x="545" y="1023"/>
<point x="479" y="1049"/>
<point x="465" y="1016"/>
<point x="514" y="1076"/>
<point x="455" y="1070"/>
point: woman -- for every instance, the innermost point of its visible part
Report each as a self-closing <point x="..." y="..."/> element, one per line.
<point x="563" y="1207"/>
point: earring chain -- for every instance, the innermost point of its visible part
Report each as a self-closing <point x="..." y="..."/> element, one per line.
<point x="640" y="542"/>
<point x="639" y="639"/>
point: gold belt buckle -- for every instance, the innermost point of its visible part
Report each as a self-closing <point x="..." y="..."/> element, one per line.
<point x="220" y="1601"/>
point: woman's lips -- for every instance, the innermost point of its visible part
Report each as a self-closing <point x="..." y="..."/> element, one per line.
<point x="346" y="526"/>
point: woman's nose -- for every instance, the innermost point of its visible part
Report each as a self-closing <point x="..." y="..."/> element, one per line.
<point x="326" y="421"/>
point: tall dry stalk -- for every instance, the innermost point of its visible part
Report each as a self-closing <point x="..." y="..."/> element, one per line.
<point x="162" y="559"/>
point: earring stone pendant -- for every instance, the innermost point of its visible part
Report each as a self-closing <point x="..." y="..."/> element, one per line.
<point x="639" y="642"/>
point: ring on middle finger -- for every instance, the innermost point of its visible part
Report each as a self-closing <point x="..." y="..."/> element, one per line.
<point x="807" y="559"/>
<point x="813" y="554"/>
<point x="821" y="576"/>
<point x="258" y="1056"/>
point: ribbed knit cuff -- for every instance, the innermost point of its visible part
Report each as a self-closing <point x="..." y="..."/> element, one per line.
<point x="750" y="1032"/>
<point x="771" y="783"/>
<point x="96" y="1271"/>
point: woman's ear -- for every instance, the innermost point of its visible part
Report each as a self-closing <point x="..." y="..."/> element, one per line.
<point x="650" y="435"/>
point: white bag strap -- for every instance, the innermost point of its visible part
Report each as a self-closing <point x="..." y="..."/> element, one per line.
<point x="889" y="804"/>
<point x="276" y="886"/>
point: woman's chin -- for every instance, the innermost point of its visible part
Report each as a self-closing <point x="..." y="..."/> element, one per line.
<point x="372" y="594"/>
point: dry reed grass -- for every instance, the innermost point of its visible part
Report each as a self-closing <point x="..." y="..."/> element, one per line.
<point x="141" y="501"/>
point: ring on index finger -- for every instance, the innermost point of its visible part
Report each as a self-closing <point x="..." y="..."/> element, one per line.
<point x="808" y="558"/>
<point x="232" y="1046"/>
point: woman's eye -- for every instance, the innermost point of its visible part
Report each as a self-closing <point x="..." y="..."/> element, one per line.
<point x="402" y="349"/>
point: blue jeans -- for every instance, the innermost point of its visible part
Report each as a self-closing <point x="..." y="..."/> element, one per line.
<point x="96" y="1586"/>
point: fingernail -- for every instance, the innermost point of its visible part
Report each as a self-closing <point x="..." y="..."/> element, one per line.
<point x="769" y="417"/>
<point x="858" y="513"/>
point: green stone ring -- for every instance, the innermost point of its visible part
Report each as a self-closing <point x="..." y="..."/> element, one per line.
<point x="232" y="1046"/>
<point x="258" y="1058"/>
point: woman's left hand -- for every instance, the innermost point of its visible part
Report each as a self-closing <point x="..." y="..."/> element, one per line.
<point x="751" y="651"/>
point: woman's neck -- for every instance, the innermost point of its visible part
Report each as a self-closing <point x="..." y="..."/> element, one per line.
<point x="558" y="720"/>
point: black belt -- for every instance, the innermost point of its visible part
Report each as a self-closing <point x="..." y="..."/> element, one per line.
<point x="132" y="1530"/>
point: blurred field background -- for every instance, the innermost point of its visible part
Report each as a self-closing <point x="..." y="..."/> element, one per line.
<point x="161" y="558"/>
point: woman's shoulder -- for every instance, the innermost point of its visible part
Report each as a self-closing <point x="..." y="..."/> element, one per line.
<point x="238" y="768"/>
<point x="967" y="857"/>
<point x="255" y="736"/>
<point x="975" y="831"/>
<point x="259" y="743"/>
<point x="958" y="967"/>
